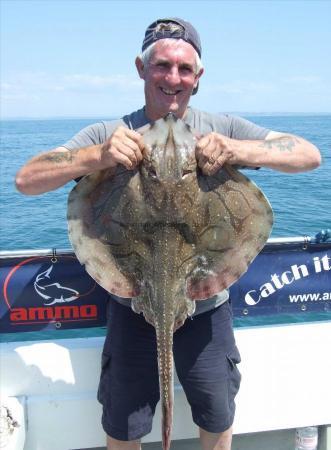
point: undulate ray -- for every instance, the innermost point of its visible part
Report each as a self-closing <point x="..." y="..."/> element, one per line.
<point x="166" y="235"/>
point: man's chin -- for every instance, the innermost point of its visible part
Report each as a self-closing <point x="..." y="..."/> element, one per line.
<point x="176" y="109"/>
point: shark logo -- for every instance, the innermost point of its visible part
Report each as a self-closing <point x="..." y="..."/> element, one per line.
<point x="53" y="292"/>
<point x="40" y="293"/>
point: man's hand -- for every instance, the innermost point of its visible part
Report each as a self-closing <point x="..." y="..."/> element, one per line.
<point x="213" y="151"/>
<point x="124" y="147"/>
<point x="278" y="151"/>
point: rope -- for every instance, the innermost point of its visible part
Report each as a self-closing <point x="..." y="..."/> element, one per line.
<point x="7" y="426"/>
<point x="323" y="236"/>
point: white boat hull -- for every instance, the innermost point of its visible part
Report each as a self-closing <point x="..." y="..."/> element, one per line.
<point x="286" y="372"/>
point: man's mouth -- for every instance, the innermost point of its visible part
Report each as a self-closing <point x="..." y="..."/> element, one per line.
<point x="169" y="91"/>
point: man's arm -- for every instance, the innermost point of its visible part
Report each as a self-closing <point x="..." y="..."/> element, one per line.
<point x="51" y="170"/>
<point x="278" y="151"/>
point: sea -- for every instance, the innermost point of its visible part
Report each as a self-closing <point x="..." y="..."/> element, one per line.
<point x="301" y="202"/>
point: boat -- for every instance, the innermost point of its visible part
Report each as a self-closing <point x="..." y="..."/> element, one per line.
<point x="52" y="333"/>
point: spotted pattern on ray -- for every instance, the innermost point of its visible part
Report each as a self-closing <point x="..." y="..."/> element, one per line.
<point x="165" y="234"/>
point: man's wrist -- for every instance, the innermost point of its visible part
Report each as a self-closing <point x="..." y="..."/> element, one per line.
<point x="239" y="151"/>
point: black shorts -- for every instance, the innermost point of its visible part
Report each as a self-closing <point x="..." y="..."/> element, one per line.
<point x="206" y="359"/>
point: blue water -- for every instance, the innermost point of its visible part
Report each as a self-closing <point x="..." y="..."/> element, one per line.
<point x="301" y="202"/>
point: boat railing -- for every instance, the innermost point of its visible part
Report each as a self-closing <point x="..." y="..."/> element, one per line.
<point x="320" y="237"/>
<point x="290" y="280"/>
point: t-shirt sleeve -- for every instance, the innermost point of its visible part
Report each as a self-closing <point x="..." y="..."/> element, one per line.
<point x="244" y="129"/>
<point x="91" y="135"/>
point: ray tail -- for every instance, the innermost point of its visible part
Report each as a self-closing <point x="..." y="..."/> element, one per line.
<point x="165" y="363"/>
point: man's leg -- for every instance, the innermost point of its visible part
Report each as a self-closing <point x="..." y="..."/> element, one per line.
<point x="114" y="444"/>
<point x="216" y="441"/>
<point x="206" y="360"/>
<point x="129" y="385"/>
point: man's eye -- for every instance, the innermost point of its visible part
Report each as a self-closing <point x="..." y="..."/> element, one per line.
<point x="162" y="65"/>
<point x="186" y="69"/>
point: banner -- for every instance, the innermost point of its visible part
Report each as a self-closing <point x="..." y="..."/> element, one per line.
<point x="55" y="292"/>
<point x="42" y="292"/>
<point x="285" y="278"/>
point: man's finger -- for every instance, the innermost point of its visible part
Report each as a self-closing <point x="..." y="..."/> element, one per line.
<point x="218" y="164"/>
<point x="123" y="159"/>
<point x="128" y="152"/>
<point x="136" y="137"/>
<point x="132" y="145"/>
<point x="203" y="142"/>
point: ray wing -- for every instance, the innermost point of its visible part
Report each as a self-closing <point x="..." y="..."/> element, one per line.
<point x="100" y="208"/>
<point x="238" y="223"/>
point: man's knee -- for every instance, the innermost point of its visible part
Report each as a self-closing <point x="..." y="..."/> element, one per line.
<point x="114" y="444"/>
<point x="216" y="441"/>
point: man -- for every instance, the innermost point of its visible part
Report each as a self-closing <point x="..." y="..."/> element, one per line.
<point x="204" y="348"/>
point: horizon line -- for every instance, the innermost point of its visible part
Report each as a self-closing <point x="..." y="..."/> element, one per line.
<point x="254" y="113"/>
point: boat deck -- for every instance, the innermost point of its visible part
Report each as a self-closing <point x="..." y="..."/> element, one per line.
<point x="271" y="440"/>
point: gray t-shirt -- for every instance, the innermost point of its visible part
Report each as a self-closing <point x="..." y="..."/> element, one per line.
<point x="203" y="123"/>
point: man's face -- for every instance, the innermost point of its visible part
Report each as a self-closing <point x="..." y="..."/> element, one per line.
<point x="170" y="77"/>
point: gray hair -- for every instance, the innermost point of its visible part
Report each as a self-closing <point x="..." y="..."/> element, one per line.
<point x="146" y="55"/>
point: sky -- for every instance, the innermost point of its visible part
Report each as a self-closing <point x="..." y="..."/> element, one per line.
<point x="75" y="58"/>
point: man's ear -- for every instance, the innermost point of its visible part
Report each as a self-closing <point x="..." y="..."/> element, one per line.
<point x="197" y="77"/>
<point x="140" y="68"/>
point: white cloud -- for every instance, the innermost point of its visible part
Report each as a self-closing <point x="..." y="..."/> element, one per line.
<point x="248" y="87"/>
<point x="42" y="94"/>
<point x="15" y="92"/>
<point x="42" y="82"/>
<point x="87" y="80"/>
<point x="6" y="87"/>
<point x="242" y="87"/>
<point x="294" y="92"/>
<point x="304" y="79"/>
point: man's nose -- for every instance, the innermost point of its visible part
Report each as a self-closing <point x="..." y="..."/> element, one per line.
<point x="173" y="76"/>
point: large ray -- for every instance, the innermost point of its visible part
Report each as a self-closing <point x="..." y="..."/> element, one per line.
<point x="165" y="235"/>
